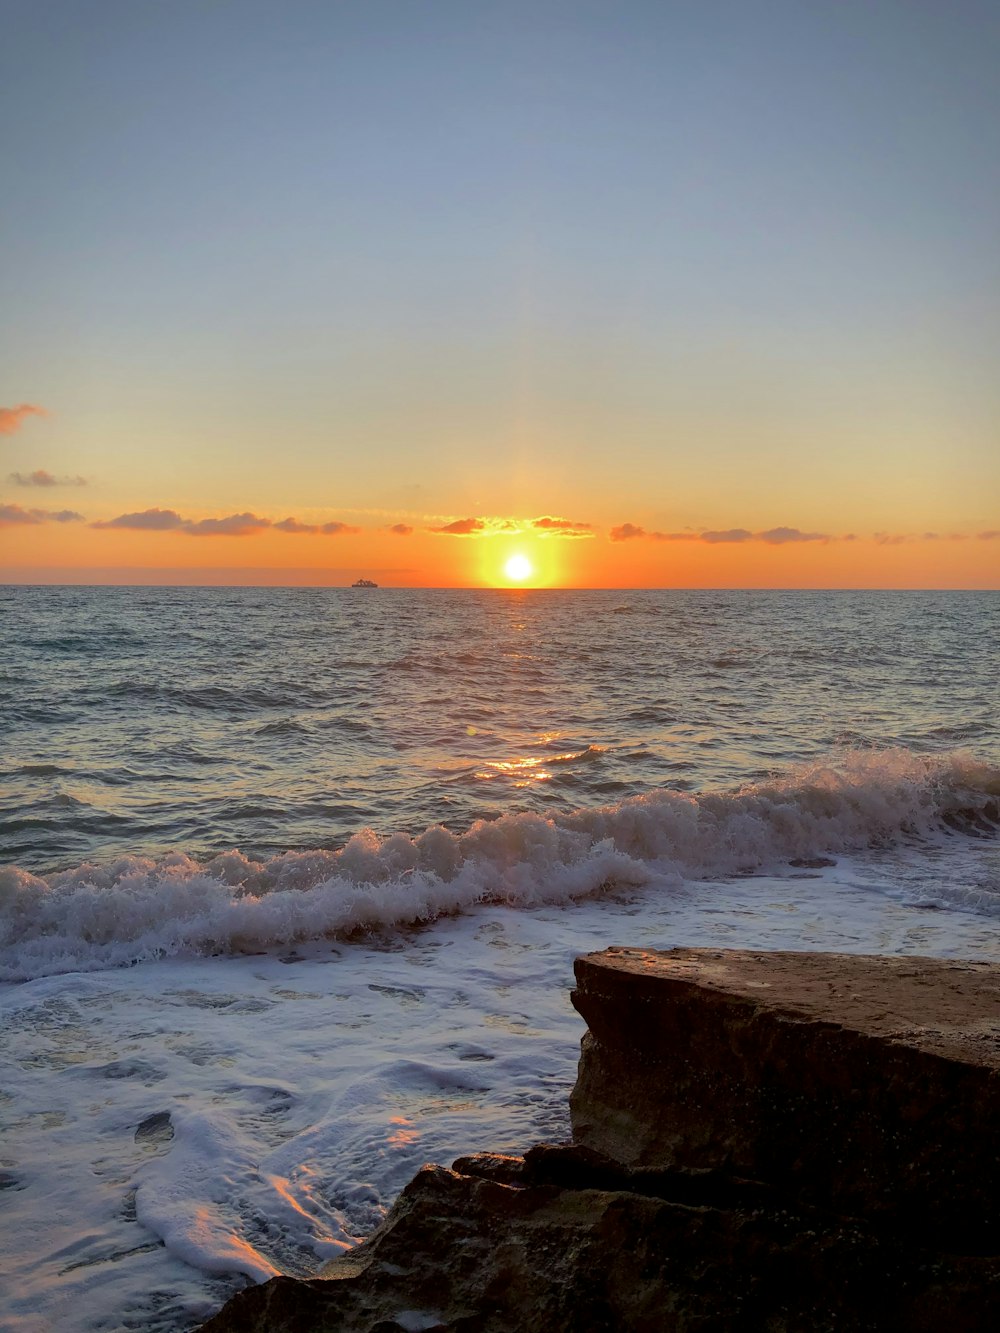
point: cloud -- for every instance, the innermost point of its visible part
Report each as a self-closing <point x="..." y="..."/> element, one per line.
<point x="891" y="538"/>
<point x="42" y="478"/>
<point x="400" y="529"/>
<point x="11" y="514"/>
<point x="499" y="526"/>
<point x="991" y="535"/>
<point x="729" y="535"/>
<point x="770" y="537"/>
<point x="147" y="520"/>
<point x="626" y="532"/>
<point x="233" y="525"/>
<point x="462" y="527"/>
<point x="338" y="530"/>
<point x="561" y="527"/>
<point x="779" y="536"/>
<point x="12" y="417"/>
<point x="293" y="525"/>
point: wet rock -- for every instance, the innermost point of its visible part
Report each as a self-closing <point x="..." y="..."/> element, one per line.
<point x="155" y="1129"/>
<point x="463" y="1253"/>
<point x="771" y="1142"/>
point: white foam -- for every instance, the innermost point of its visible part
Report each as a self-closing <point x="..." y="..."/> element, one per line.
<point x="302" y="1095"/>
<point x="135" y="908"/>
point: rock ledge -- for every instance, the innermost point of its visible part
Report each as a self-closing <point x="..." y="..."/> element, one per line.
<point x="762" y="1141"/>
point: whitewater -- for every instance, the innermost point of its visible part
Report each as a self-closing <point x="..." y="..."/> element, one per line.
<point x="292" y="882"/>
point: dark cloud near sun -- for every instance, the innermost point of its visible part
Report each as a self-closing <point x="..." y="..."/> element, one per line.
<point x="12" y="515"/>
<point x="12" y="418"/>
<point x="400" y="529"/>
<point x="40" y="477"/>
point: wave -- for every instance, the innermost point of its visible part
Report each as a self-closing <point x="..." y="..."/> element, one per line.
<point x="136" y="908"/>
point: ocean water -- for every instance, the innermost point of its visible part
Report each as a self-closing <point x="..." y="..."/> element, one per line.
<point x="291" y="881"/>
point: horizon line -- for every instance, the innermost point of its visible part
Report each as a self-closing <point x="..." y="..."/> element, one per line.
<point x="443" y="587"/>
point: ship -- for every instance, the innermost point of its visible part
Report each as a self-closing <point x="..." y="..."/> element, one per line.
<point x="365" y="583"/>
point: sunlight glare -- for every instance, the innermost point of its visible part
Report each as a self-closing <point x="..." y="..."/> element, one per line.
<point x="518" y="568"/>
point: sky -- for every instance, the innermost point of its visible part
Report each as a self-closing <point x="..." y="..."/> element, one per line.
<point x="649" y="294"/>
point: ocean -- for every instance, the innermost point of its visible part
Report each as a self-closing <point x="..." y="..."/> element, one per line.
<point x="291" y="881"/>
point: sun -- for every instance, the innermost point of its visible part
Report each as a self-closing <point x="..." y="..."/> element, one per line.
<point x="518" y="568"/>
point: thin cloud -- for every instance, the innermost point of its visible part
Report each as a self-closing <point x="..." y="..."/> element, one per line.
<point x="293" y="525"/>
<point x="891" y="538"/>
<point x="779" y="536"/>
<point x="400" y="529"/>
<point x="991" y="535"/>
<point x="11" y="418"/>
<point x="40" y="477"/>
<point x="561" y="527"/>
<point x="462" y="527"/>
<point x="626" y="532"/>
<point x="338" y="530"/>
<point x="729" y="535"/>
<point x="715" y="537"/>
<point x="147" y="520"/>
<point x="233" y="525"/>
<point x="11" y="515"/>
<point x="313" y="529"/>
<point x="498" y="526"/>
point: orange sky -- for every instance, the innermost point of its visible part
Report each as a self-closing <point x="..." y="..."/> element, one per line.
<point x="73" y="551"/>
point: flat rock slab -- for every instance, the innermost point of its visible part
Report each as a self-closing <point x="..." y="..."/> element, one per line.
<point x="866" y="1085"/>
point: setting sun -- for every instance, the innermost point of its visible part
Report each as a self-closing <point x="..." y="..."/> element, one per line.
<point x="518" y="568"/>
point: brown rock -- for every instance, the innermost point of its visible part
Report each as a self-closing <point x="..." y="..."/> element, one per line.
<point x="470" y="1255"/>
<point x="778" y="1142"/>
<point x="866" y="1085"/>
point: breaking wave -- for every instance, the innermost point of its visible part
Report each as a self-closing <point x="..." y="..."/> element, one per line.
<point x="135" y="908"/>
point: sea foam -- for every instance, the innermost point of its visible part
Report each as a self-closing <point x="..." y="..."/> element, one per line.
<point x="135" y="908"/>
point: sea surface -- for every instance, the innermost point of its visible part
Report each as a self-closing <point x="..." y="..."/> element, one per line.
<point x="291" y="881"/>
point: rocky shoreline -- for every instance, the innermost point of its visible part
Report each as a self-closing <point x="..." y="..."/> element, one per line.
<point x="779" y="1141"/>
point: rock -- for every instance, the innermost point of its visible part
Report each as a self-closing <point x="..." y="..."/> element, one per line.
<point x="471" y="1255"/>
<point x="867" y="1085"/>
<point x="770" y="1142"/>
<point x="155" y="1129"/>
